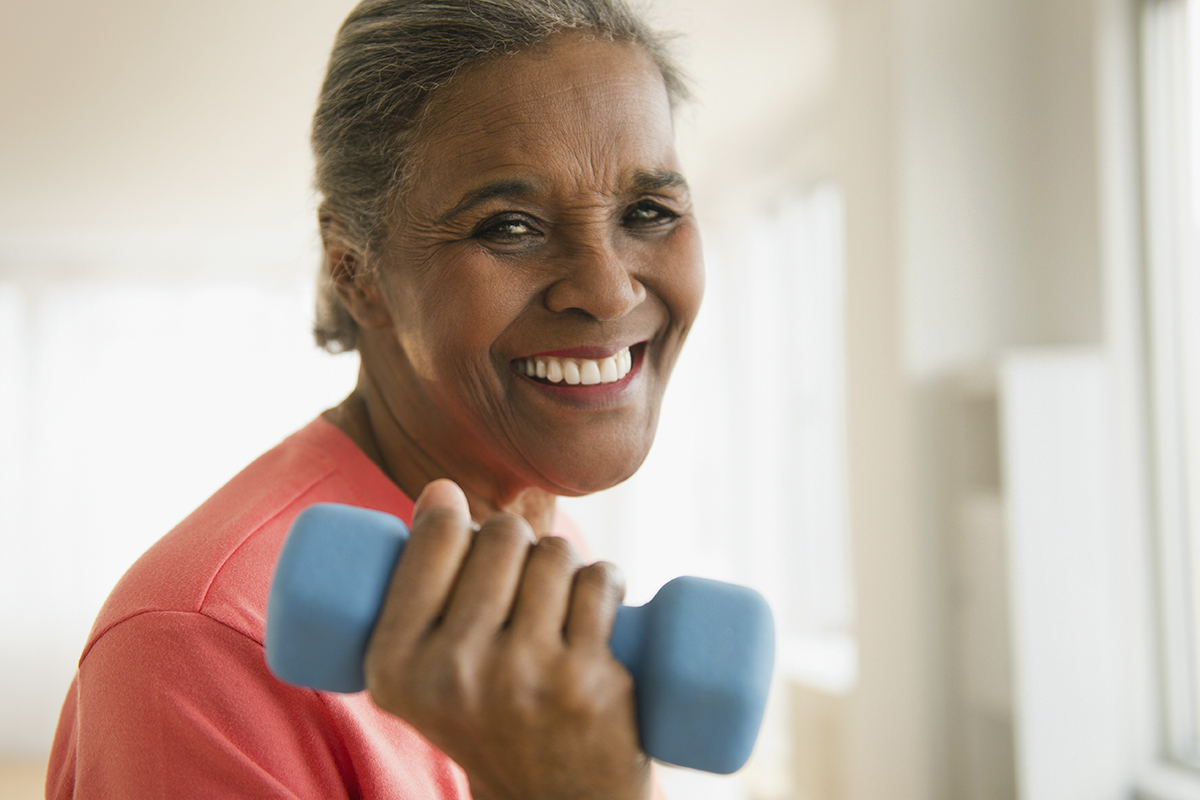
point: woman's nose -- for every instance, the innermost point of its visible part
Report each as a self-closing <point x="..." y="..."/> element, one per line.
<point x="596" y="281"/>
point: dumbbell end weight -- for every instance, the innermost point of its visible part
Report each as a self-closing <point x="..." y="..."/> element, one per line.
<point x="701" y="652"/>
<point x="329" y="585"/>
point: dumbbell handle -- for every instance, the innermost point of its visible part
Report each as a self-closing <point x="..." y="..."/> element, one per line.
<point x="700" y="652"/>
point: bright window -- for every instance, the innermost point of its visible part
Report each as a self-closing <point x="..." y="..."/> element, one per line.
<point x="1171" y="106"/>
<point x="124" y="402"/>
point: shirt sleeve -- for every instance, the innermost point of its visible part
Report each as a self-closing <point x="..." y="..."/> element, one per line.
<point x="176" y="704"/>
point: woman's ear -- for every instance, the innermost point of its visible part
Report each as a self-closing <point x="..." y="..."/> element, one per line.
<point x="357" y="286"/>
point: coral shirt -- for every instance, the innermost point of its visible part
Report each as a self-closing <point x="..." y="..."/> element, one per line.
<point x="173" y="698"/>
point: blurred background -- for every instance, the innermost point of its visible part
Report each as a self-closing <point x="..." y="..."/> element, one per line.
<point x="942" y="405"/>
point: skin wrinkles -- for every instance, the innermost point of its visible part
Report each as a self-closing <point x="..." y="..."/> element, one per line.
<point x="461" y="115"/>
<point x="474" y="123"/>
<point x="567" y="146"/>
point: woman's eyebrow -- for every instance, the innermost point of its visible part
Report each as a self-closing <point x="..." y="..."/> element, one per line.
<point x="642" y="181"/>
<point x="656" y="180"/>
<point x="511" y="187"/>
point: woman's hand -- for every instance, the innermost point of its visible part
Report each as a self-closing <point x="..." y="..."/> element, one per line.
<point x="495" y="647"/>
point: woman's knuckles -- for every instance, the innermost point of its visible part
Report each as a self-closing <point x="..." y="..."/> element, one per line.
<point x="556" y="552"/>
<point x="505" y="533"/>
<point x="576" y="688"/>
<point x="441" y="529"/>
<point x="516" y="699"/>
<point x="449" y="683"/>
<point x="602" y="578"/>
<point x="523" y="691"/>
<point x="435" y="700"/>
<point x="589" y="688"/>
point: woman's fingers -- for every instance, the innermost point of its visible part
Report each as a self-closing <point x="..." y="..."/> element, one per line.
<point x="424" y="577"/>
<point x="482" y="598"/>
<point x="598" y="590"/>
<point x="540" y="611"/>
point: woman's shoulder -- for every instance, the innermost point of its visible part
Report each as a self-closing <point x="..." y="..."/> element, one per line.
<point x="218" y="561"/>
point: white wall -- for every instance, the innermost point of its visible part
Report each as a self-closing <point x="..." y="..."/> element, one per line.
<point x="132" y="114"/>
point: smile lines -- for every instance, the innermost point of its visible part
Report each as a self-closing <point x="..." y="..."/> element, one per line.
<point x="577" y="371"/>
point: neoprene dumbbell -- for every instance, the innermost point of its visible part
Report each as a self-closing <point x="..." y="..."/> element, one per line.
<point x="701" y="652"/>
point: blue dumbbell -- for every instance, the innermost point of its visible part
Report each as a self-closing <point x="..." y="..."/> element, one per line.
<point x="701" y="652"/>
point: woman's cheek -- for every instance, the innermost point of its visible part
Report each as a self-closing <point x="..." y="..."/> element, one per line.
<point x="683" y="285"/>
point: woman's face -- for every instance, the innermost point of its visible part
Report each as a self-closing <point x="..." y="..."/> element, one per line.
<point x="548" y="232"/>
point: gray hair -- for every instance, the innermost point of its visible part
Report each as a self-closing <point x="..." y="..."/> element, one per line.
<point x="388" y="59"/>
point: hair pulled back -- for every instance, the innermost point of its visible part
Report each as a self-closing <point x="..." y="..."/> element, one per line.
<point x="388" y="59"/>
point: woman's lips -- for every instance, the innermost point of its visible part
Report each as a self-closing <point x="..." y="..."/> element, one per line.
<point x="579" y="367"/>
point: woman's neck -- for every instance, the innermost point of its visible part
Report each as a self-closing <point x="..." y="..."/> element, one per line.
<point x="365" y="418"/>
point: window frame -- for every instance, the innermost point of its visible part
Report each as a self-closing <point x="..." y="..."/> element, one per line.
<point x="1169" y="707"/>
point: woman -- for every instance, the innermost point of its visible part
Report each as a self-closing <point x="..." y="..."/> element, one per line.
<point x="510" y="246"/>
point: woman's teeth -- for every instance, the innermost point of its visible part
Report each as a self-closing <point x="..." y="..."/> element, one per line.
<point x="578" y="371"/>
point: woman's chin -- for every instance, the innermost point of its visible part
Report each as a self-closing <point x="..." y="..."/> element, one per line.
<point x="576" y="480"/>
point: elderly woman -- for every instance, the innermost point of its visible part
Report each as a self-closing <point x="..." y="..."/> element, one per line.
<point x="510" y="246"/>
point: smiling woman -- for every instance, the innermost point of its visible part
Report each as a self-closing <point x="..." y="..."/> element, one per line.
<point x="569" y="254"/>
<point x="511" y="248"/>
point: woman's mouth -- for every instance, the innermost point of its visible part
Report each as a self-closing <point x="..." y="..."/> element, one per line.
<point x="577" y="371"/>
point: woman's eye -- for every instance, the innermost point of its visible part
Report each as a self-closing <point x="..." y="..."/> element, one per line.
<point x="648" y="214"/>
<point x="506" y="229"/>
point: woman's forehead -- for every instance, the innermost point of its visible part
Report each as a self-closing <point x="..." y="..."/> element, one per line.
<point x="565" y="65"/>
<point x="574" y="110"/>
